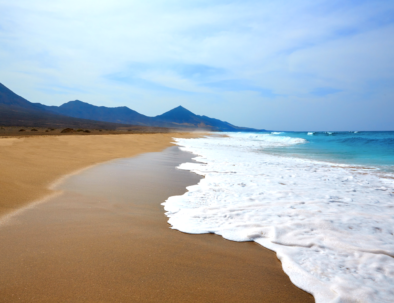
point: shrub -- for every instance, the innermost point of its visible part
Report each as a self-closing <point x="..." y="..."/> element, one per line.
<point x="67" y="130"/>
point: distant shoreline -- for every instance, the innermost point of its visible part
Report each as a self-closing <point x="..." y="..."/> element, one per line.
<point x="28" y="131"/>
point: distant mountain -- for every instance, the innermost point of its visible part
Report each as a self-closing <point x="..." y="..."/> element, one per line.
<point x="15" y="110"/>
<point x="178" y="117"/>
<point x="79" y="109"/>
<point x="9" y="99"/>
<point x="185" y="118"/>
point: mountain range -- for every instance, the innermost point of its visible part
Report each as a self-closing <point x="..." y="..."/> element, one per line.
<point x="15" y="110"/>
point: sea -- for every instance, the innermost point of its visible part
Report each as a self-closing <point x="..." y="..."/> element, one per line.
<point x="323" y="201"/>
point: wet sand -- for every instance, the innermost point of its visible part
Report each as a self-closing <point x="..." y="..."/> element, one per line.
<point x="28" y="165"/>
<point x="106" y="239"/>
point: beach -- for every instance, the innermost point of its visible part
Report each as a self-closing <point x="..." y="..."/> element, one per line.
<point x="104" y="236"/>
<point x="29" y="165"/>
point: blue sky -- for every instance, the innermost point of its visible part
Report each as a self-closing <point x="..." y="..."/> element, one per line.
<point x="281" y="65"/>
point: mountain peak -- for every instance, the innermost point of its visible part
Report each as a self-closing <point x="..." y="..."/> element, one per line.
<point x="180" y="109"/>
<point x="76" y="104"/>
<point x="178" y="115"/>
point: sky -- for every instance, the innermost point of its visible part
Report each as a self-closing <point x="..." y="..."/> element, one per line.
<point x="278" y="65"/>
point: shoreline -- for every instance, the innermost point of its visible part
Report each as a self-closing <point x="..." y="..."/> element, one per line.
<point x="31" y="167"/>
<point x="106" y="239"/>
<point x="315" y="215"/>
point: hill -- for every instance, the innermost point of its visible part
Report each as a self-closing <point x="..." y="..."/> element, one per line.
<point x="178" y="117"/>
<point x="15" y="110"/>
<point x="79" y="109"/>
<point x="185" y="118"/>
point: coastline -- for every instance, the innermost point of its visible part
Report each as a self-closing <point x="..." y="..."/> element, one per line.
<point x="327" y="223"/>
<point x="31" y="166"/>
<point x="106" y="239"/>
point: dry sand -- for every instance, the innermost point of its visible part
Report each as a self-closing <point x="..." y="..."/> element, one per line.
<point x="29" y="165"/>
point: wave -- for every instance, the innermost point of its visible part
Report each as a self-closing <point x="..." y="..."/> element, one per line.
<point x="262" y="140"/>
<point x="311" y="133"/>
<point x="331" y="227"/>
<point x="276" y="133"/>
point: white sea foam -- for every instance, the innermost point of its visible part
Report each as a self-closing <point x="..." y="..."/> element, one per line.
<point x="311" y="133"/>
<point x="276" y="133"/>
<point x="331" y="226"/>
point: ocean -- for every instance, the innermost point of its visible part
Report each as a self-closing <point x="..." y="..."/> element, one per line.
<point x="374" y="149"/>
<point x="323" y="201"/>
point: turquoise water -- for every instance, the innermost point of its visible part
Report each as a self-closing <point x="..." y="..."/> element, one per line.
<point x="360" y="148"/>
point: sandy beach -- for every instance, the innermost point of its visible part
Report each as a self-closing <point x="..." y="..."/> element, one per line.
<point x="105" y="238"/>
<point x="28" y="165"/>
